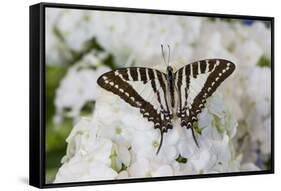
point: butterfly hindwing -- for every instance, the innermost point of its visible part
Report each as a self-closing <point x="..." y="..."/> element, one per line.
<point x="195" y="83"/>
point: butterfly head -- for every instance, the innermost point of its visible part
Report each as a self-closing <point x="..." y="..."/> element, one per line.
<point x="169" y="69"/>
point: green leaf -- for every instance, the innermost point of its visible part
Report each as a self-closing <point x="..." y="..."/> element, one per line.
<point x="51" y="174"/>
<point x="264" y="61"/>
<point x="56" y="135"/>
<point x="218" y="125"/>
<point x="109" y="61"/>
<point x="87" y="108"/>
<point x="195" y="126"/>
<point x="113" y="158"/>
<point x="123" y="167"/>
<point x="55" y="146"/>
<point x="88" y="46"/>
<point x="181" y="159"/>
<point x="268" y="164"/>
<point x="58" y="34"/>
<point x="54" y="74"/>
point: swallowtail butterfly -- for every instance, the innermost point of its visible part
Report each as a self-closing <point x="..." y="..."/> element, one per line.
<point x="161" y="97"/>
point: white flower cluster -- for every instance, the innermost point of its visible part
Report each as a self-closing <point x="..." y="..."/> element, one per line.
<point x="79" y="86"/>
<point x="129" y="37"/>
<point x="116" y="142"/>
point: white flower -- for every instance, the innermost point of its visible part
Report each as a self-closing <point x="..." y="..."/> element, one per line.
<point x="261" y="34"/>
<point x="145" y="168"/>
<point x="79" y="86"/>
<point x="259" y="89"/>
<point x="257" y="142"/>
<point x="152" y="30"/>
<point x="51" y="41"/>
<point x="88" y="156"/>
<point x="247" y="91"/>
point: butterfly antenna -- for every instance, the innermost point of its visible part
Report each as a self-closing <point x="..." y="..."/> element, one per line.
<point x="169" y="54"/>
<point x="163" y="54"/>
<point x="161" y="140"/>
<point x="194" y="137"/>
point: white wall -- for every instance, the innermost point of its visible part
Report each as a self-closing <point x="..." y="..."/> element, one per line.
<point x="14" y="88"/>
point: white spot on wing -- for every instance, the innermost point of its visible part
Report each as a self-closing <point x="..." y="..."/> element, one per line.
<point x="217" y="63"/>
<point x="116" y="73"/>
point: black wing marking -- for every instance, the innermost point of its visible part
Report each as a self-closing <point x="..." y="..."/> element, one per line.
<point x="143" y="88"/>
<point x="196" y="82"/>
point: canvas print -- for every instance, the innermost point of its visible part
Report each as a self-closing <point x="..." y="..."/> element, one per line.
<point x="138" y="95"/>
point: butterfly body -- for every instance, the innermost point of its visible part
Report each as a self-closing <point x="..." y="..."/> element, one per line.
<point x="171" y="85"/>
<point x="164" y="97"/>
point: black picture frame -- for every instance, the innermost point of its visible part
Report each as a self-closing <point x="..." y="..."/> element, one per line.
<point x="37" y="94"/>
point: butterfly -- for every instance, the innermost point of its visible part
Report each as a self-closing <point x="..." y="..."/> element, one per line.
<point x="162" y="97"/>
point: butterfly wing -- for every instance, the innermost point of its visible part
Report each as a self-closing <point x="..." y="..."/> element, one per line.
<point x="196" y="82"/>
<point x="143" y="88"/>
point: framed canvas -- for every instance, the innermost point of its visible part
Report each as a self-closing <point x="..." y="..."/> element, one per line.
<point x="121" y="95"/>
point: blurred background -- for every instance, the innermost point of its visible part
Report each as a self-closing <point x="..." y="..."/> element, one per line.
<point x="81" y="45"/>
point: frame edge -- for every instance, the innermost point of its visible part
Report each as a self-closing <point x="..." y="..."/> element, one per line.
<point x="35" y="133"/>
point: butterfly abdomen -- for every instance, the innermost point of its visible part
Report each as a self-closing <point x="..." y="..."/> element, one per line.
<point x="171" y="85"/>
